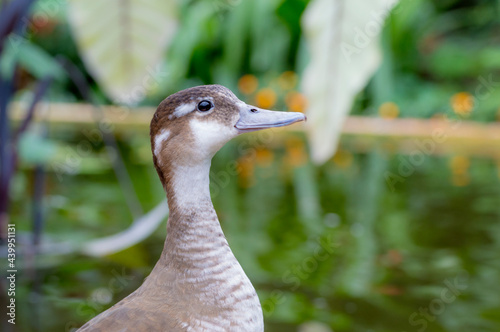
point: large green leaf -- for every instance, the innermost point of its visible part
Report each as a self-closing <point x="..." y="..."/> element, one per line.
<point x="122" y="42"/>
<point x="343" y="39"/>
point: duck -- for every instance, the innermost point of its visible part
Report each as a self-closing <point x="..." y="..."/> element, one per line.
<point x="197" y="283"/>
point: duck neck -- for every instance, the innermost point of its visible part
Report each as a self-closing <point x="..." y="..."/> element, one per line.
<point x="187" y="186"/>
<point x="193" y="230"/>
<point x="197" y="256"/>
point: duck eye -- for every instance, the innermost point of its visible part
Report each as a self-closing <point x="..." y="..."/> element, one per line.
<point x="204" y="106"/>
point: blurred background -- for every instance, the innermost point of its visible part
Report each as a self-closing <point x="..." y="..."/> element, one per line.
<point x="380" y="214"/>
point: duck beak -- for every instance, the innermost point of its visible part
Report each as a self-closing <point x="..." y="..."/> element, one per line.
<point x="253" y="119"/>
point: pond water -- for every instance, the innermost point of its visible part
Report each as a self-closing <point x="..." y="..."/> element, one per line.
<point x="358" y="244"/>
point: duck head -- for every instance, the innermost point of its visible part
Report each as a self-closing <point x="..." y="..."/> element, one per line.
<point x="190" y="126"/>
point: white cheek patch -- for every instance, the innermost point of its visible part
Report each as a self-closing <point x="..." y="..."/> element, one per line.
<point x="182" y="110"/>
<point x="159" y="139"/>
<point x="211" y="135"/>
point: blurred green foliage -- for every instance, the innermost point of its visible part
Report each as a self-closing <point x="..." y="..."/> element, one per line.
<point x="435" y="49"/>
<point x="301" y="234"/>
